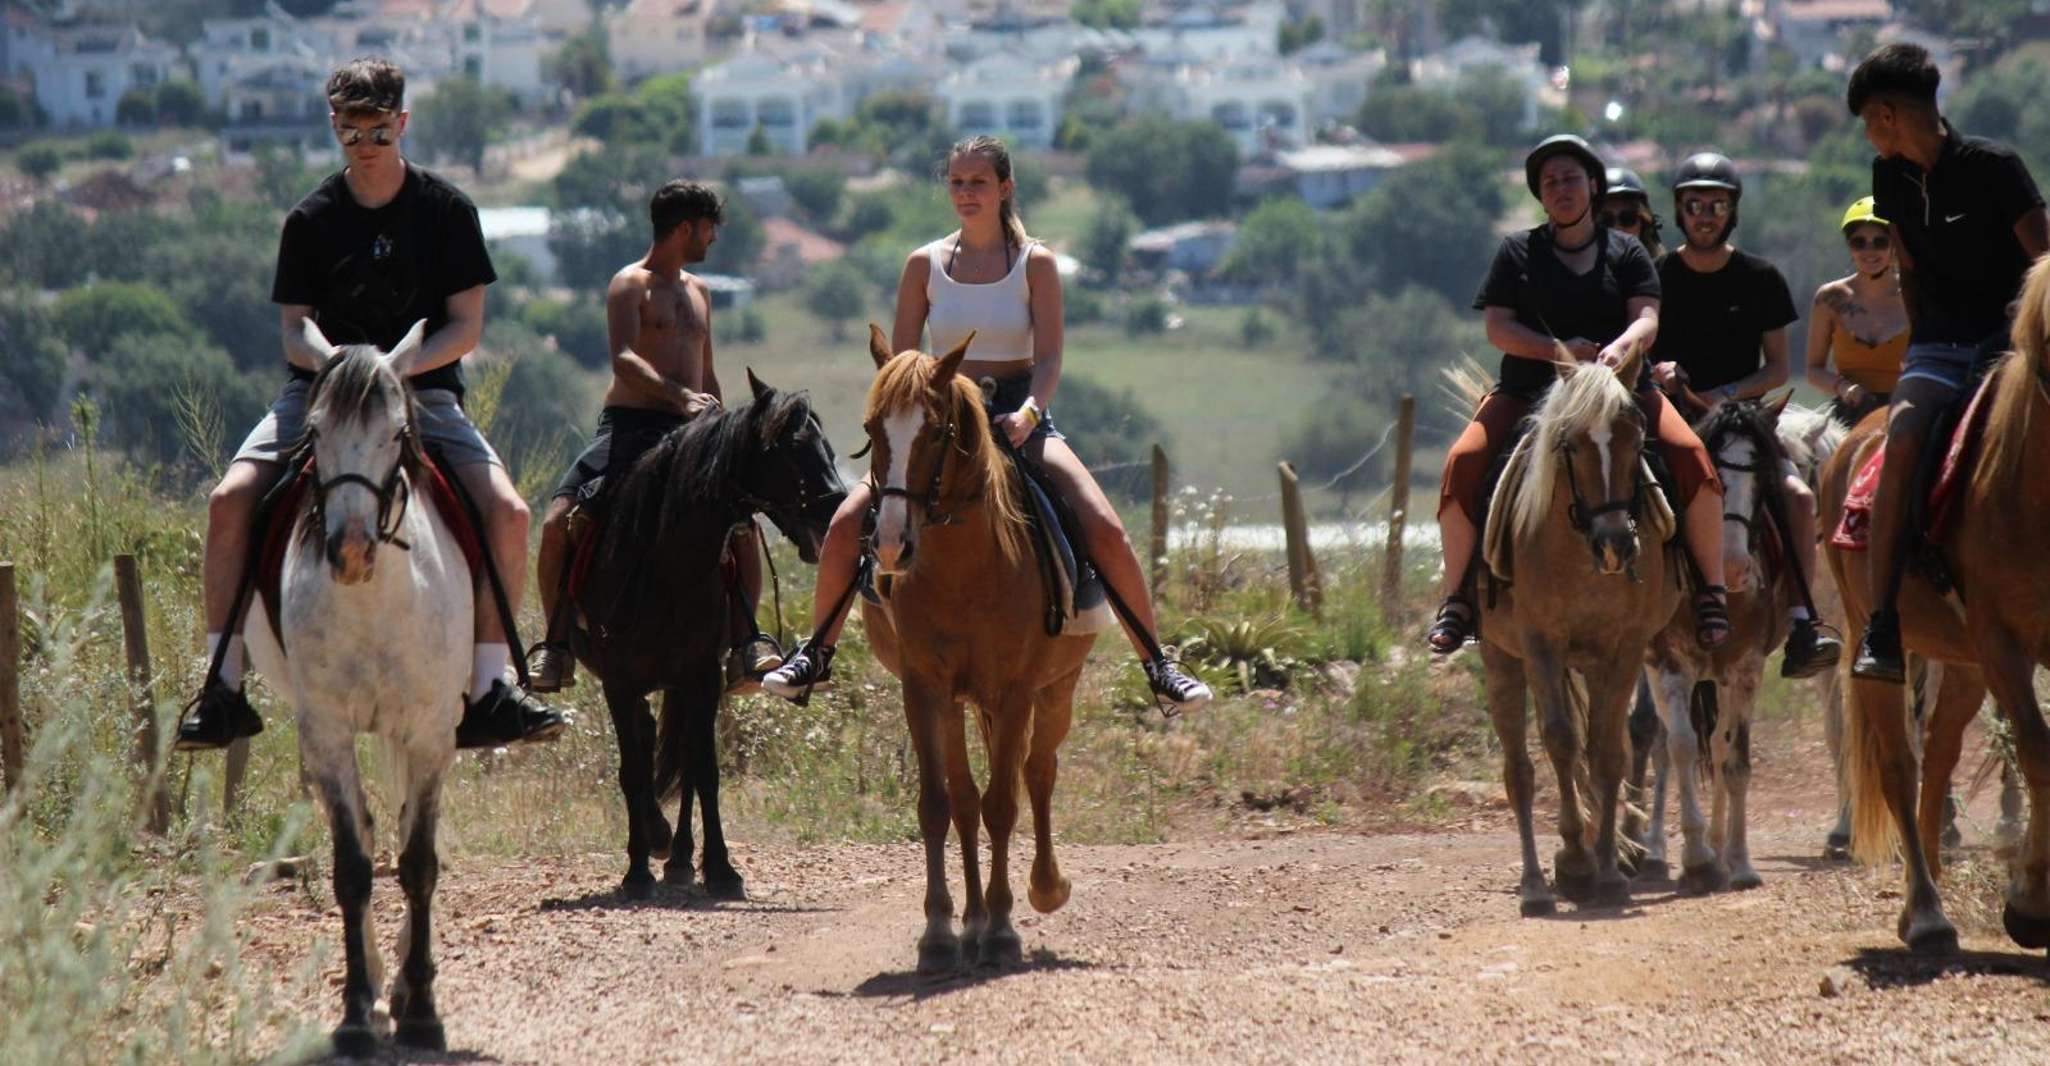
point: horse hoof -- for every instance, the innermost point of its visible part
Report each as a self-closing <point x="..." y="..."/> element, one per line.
<point x="1702" y="880"/>
<point x="1609" y="893"/>
<point x="425" y="1034"/>
<point x="1052" y="900"/>
<point x="678" y="873"/>
<point x="1000" y="948"/>
<point x="2025" y="929"/>
<point x="355" y="1042"/>
<point x="638" y="886"/>
<point x="1576" y="888"/>
<point x="1933" y="938"/>
<point x="1836" y="852"/>
<point x="937" y="956"/>
<point x="1539" y="906"/>
<point x="1653" y="871"/>
<point x="728" y="888"/>
<point x="1745" y="880"/>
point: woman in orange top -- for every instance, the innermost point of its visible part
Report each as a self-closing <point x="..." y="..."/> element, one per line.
<point x="1858" y="329"/>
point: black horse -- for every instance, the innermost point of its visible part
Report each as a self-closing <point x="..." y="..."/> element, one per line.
<point x="653" y="606"/>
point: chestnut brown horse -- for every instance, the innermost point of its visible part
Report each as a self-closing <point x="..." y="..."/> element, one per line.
<point x="1992" y="630"/>
<point x="961" y="620"/>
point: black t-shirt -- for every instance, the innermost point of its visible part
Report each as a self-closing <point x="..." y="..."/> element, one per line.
<point x="369" y="275"/>
<point x="1714" y="324"/>
<point x="1957" y="223"/>
<point x="1528" y="278"/>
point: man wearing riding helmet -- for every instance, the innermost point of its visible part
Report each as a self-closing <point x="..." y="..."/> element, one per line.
<point x="1626" y="207"/>
<point x="1967" y="223"/>
<point x="1725" y="315"/>
<point x="1569" y="289"/>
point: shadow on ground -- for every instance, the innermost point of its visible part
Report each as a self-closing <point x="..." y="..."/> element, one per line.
<point x="918" y="986"/>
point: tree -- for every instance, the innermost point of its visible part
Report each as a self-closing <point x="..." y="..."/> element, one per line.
<point x="1292" y="37"/>
<point x="1272" y="240"/>
<point x="1167" y="170"/>
<point x="143" y="378"/>
<point x="282" y="175"/>
<point x="16" y="112"/>
<point x="1104" y="245"/>
<point x="544" y="398"/>
<point x="462" y="117"/>
<point x="740" y="239"/>
<point x="33" y="371"/>
<point x="1113" y="430"/>
<point x="836" y="292"/>
<point x="91" y="318"/>
<point x="758" y="142"/>
<point x="591" y="244"/>
<point x="1106" y="14"/>
<point x="611" y="180"/>
<point x="578" y="327"/>
<point x="40" y="246"/>
<point x="583" y="65"/>
<point x="615" y="118"/>
<point x="1485" y="105"/>
<point x="672" y="110"/>
<point x="1432" y="223"/>
<point x="818" y="193"/>
<point x="109" y="144"/>
<point x="38" y="161"/>
<point x="137" y="107"/>
<point x="179" y="103"/>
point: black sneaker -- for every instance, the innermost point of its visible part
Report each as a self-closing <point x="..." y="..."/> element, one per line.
<point x="504" y="716"/>
<point x="216" y="718"/>
<point x="1173" y="689"/>
<point x="808" y="668"/>
<point x="1879" y="654"/>
<point x="1807" y="651"/>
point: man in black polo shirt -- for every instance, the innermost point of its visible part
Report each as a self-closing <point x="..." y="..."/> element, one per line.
<point x="1967" y="222"/>
<point x="375" y="248"/>
<point x="1723" y="336"/>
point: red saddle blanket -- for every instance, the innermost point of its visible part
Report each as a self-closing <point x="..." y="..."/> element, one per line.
<point x="1853" y="530"/>
<point x="284" y="519"/>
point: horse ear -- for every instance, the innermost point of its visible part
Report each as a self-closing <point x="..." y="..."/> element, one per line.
<point x="1774" y="405"/>
<point x="404" y="352"/>
<point x="951" y="361"/>
<point x="1632" y="365"/>
<point x="878" y="345"/>
<point x="761" y="391"/>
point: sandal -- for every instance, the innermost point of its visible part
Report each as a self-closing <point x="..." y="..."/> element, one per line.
<point x="1453" y="627"/>
<point x="1712" y="617"/>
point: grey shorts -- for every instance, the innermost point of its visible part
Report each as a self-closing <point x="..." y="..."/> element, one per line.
<point x="443" y="426"/>
<point x="1947" y="364"/>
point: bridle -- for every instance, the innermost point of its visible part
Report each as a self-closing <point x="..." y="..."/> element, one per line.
<point x="934" y="515"/>
<point x="1751" y="522"/>
<point x="1581" y="515"/>
<point x="393" y="493"/>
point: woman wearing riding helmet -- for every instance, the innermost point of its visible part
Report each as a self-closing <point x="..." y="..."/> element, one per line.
<point x="1858" y="329"/>
<point x="1627" y="208"/>
<point x="1569" y="288"/>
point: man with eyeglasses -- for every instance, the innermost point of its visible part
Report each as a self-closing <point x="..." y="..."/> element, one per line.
<point x="373" y="249"/>
<point x="1967" y="222"/>
<point x="1723" y="337"/>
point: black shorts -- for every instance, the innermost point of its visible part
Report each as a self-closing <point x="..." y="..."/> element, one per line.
<point x="624" y="434"/>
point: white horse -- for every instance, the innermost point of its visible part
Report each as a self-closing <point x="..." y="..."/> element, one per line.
<point x="375" y="613"/>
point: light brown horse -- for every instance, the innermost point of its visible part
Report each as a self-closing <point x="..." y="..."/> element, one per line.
<point x="1993" y="631"/>
<point x="1572" y="629"/>
<point x="962" y="620"/>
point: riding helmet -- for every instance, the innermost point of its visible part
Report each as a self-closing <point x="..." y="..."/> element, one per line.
<point x="1708" y="170"/>
<point x="1569" y="145"/>
<point x="1624" y="182"/>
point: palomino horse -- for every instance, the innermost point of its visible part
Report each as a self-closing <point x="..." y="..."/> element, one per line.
<point x="374" y="611"/>
<point x="1992" y="631"/>
<point x="1750" y="455"/>
<point x="962" y="620"/>
<point x="1573" y="627"/>
<point x="652" y="611"/>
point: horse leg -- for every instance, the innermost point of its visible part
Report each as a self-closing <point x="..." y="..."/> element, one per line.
<point x="1886" y="745"/>
<point x="1573" y="863"/>
<point x="329" y="750"/>
<point x="964" y="803"/>
<point x="1736" y="700"/>
<point x="1013" y="720"/>
<point x="635" y="729"/>
<point x="675" y="851"/>
<point x="1673" y="689"/>
<point x="722" y="881"/>
<point x="1836" y="847"/>
<point x="1506" y="709"/>
<point x="2013" y="820"/>
<point x="1644" y="727"/>
<point x="1943" y="740"/>
<point x="412" y="997"/>
<point x="1052" y="712"/>
<point x="2010" y="674"/>
<point x="1608" y="734"/>
<point x="1653" y="867"/>
<point x="939" y="949"/>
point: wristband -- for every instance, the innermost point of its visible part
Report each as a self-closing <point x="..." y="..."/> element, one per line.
<point x="1030" y="409"/>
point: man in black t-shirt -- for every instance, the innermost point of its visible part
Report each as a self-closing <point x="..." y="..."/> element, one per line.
<point x="374" y="249"/>
<point x="1723" y="336"/>
<point x="1967" y="223"/>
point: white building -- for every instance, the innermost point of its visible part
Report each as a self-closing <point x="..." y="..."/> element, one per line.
<point x="1472" y="55"/>
<point x="782" y="95"/>
<point x="1339" y="81"/>
<point x="1008" y="98"/>
<point x="1210" y="35"/>
<point x="1328" y="175"/>
<point x="81" y="71"/>
<point x="1264" y="104"/>
<point x="1817" y="31"/>
<point x="499" y="43"/>
<point x="649" y="37"/>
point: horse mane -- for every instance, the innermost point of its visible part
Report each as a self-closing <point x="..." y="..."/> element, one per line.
<point x="1582" y="400"/>
<point x="2013" y="382"/>
<point x="345" y="390"/>
<point x="695" y="467"/>
<point x="1747" y="417"/>
<point x="1809" y="436"/>
<point x="907" y="380"/>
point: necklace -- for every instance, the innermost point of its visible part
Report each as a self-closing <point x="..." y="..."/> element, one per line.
<point x="1581" y="247"/>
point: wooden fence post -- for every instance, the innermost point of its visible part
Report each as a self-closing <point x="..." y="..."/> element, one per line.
<point x="1157" y="558"/>
<point x="156" y="801"/>
<point x="11" y="743"/>
<point x="1302" y="566"/>
<point x="233" y="774"/>
<point x="1398" y="501"/>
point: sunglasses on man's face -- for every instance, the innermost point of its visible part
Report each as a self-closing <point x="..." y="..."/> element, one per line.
<point x="1878" y="243"/>
<point x="1706" y="208"/>
<point x="351" y="136"/>
<point x="1621" y="219"/>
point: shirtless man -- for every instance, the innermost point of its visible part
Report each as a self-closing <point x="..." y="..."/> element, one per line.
<point x="659" y="319"/>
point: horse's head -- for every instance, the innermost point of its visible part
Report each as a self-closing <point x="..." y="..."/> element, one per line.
<point x="793" y="478"/>
<point x="1589" y="433"/>
<point x="931" y="444"/>
<point x="359" y="418"/>
<point x="1743" y="441"/>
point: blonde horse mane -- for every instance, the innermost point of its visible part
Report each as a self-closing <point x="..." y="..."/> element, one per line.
<point x="907" y="380"/>
<point x="1585" y="397"/>
<point x="2014" y="382"/>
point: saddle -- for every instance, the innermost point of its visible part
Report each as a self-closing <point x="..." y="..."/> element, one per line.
<point x="1658" y="519"/>
<point x="1937" y="507"/>
<point x="278" y="519"/>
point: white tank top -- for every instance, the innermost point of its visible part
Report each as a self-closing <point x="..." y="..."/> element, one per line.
<point x="999" y="313"/>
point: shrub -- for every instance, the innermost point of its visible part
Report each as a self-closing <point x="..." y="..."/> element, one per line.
<point x="110" y="144"/>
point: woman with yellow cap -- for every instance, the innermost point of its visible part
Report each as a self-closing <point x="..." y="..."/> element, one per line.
<point x="1858" y="329"/>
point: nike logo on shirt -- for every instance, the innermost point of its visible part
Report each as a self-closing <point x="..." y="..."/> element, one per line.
<point x="1953" y="218"/>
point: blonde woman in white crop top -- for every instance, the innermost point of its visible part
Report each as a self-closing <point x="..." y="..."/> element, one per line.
<point x="990" y="278"/>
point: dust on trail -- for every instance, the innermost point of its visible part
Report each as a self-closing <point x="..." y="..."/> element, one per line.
<point x="1305" y="945"/>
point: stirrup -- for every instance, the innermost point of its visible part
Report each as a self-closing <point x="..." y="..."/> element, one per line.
<point x="1712" y="617"/>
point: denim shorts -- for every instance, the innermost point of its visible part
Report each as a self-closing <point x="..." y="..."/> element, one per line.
<point x="1010" y="393"/>
<point x="442" y="425"/>
<point x="1947" y="364"/>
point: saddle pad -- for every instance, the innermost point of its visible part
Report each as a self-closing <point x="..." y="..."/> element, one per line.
<point x="1854" y="529"/>
<point x="284" y="518"/>
<point x="1084" y="609"/>
<point x="1497" y="542"/>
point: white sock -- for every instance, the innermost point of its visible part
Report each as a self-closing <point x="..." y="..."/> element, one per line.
<point x="1797" y="613"/>
<point x="487" y="664"/>
<point x="231" y="666"/>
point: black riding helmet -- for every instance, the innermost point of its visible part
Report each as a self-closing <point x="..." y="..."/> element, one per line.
<point x="1709" y="170"/>
<point x="1624" y="182"/>
<point x="1568" y="145"/>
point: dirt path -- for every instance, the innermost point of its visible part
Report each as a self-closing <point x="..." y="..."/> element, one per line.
<point x="1278" y="946"/>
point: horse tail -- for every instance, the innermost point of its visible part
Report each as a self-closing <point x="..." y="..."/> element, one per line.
<point x="669" y="749"/>
<point x="1579" y="705"/>
<point x="1873" y="833"/>
<point x="2014" y="382"/>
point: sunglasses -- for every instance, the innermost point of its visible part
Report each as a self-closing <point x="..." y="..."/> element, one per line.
<point x="1622" y="219"/>
<point x="1877" y="244"/>
<point x="1706" y="208"/>
<point x="351" y="136"/>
